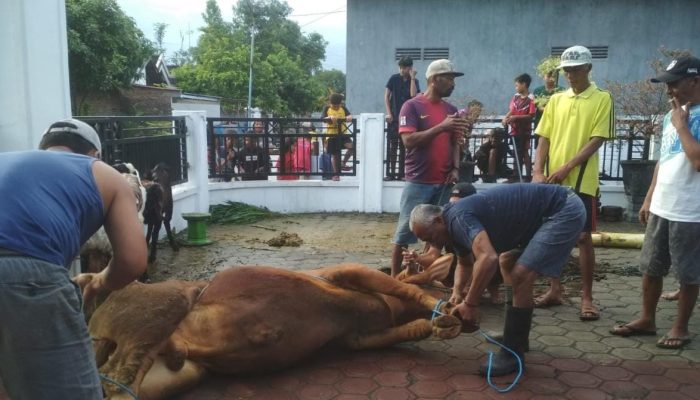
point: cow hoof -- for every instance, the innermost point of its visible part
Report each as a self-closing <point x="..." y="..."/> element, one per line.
<point x="446" y="308"/>
<point x="447" y="327"/>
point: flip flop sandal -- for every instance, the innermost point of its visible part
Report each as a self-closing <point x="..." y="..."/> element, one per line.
<point x="589" y="314"/>
<point x="626" y="330"/>
<point x="682" y="341"/>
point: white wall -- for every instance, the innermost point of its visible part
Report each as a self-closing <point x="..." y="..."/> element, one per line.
<point x="34" y="80"/>
<point x="366" y="193"/>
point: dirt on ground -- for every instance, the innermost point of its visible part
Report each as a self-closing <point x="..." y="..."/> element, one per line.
<point x="302" y="241"/>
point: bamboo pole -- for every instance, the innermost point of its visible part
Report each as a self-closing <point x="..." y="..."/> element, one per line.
<point x="620" y="240"/>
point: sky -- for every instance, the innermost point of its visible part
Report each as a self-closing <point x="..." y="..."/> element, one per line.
<point x="184" y="18"/>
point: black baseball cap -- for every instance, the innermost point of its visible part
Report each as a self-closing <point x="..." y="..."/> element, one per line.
<point x="679" y="68"/>
<point x="462" y="190"/>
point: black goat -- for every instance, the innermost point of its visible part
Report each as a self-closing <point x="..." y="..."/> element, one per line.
<point x="159" y="207"/>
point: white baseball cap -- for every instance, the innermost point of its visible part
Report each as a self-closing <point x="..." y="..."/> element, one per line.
<point x="77" y="127"/>
<point x="441" y="67"/>
<point x="574" y="56"/>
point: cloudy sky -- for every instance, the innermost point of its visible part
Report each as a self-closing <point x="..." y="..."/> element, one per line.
<point x="184" y="17"/>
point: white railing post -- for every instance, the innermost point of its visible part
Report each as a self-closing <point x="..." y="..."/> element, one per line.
<point x="198" y="172"/>
<point x="371" y="168"/>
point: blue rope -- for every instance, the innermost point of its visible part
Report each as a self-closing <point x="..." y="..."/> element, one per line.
<point x="436" y="309"/>
<point x="120" y="386"/>
<point x="488" y="371"/>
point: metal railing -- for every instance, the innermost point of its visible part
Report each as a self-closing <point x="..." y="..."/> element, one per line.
<point x="144" y="142"/>
<point x="626" y="146"/>
<point x="285" y="148"/>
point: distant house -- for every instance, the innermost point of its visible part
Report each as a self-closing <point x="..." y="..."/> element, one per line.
<point x="493" y="41"/>
<point x="154" y="93"/>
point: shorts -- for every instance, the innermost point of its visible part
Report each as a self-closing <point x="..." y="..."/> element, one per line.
<point x="550" y="247"/>
<point x="522" y="144"/>
<point x="669" y="243"/>
<point x="45" y="352"/>
<point x="590" y="203"/>
<point x="336" y="143"/>
<point x="413" y="194"/>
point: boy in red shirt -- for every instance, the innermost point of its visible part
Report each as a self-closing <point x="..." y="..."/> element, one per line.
<point x="521" y="111"/>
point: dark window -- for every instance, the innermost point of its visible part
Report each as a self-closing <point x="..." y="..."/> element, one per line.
<point x="413" y="52"/>
<point x="436" y="53"/>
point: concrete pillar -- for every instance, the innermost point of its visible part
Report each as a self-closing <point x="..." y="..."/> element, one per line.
<point x="34" y="63"/>
<point x="198" y="172"/>
<point x="371" y="167"/>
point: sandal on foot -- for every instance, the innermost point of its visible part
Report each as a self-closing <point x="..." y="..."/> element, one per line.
<point x="626" y="330"/>
<point x="671" y="296"/>
<point x="545" y="301"/>
<point x="589" y="313"/>
<point x="681" y="342"/>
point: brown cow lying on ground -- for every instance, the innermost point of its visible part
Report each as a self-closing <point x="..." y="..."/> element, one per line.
<point x="160" y="339"/>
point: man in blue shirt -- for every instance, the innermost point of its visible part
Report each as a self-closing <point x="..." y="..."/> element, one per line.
<point x="544" y="221"/>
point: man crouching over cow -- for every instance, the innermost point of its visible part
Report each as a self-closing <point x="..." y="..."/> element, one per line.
<point x="53" y="201"/>
<point x="542" y="220"/>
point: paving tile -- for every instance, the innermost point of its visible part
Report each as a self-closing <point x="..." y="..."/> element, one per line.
<point x="668" y="395"/>
<point x="397" y="363"/>
<point x="618" y="342"/>
<point x="462" y="382"/>
<point x="361" y="369"/>
<point x="643" y="367"/>
<point x="563" y="352"/>
<point x="430" y="372"/>
<point x="602" y="359"/>
<point x="325" y="376"/>
<point x="392" y="378"/>
<point x="624" y="390"/>
<point x="430" y="388"/>
<point x="570" y="364"/>
<point x="356" y="385"/>
<point x="579" y="379"/>
<point x="459" y="395"/>
<point x="317" y="392"/>
<point x="612" y="373"/>
<point x="549" y="386"/>
<point x="685" y="375"/>
<point x="587" y="394"/>
<point x="656" y="382"/>
<point x="517" y="394"/>
<point x="592" y="347"/>
<point x="631" y="354"/>
<point x="692" y="391"/>
<point x="392" y="394"/>
<point x="540" y="371"/>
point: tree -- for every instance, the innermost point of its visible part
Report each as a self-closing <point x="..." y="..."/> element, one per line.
<point x="159" y="32"/>
<point x="644" y="102"/>
<point x="105" y="48"/>
<point x="283" y="64"/>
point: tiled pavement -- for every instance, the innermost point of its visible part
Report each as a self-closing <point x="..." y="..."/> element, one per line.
<point x="569" y="359"/>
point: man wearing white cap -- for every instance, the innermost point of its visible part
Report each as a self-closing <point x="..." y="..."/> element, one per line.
<point x="429" y="128"/>
<point x="53" y="201"/>
<point x="574" y="125"/>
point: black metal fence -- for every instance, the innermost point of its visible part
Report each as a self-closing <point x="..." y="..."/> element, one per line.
<point x="626" y="146"/>
<point x="144" y="142"/>
<point x="288" y="149"/>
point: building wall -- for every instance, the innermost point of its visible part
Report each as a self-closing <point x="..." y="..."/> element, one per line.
<point x="34" y="89"/>
<point x="493" y="41"/>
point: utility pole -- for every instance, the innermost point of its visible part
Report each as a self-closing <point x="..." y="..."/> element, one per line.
<point x="250" y="76"/>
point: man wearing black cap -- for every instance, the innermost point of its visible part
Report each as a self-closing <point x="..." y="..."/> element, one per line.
<point x="671" y="209"/>
<point x="53" y="201"/>
<point x="400" y="87"/>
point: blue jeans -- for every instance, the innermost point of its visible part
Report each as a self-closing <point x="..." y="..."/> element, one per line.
<point x="45" y="349"/>
<point x="412" y="195"/>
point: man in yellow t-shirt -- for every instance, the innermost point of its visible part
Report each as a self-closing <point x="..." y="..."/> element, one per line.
<point x="574" y="125"/>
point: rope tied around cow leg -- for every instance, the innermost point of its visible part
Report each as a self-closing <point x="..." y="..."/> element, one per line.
<point x="436" y="310"/>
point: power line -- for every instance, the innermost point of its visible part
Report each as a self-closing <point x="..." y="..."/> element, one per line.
<point x="322" y="16"/>
<point x="318" y="13"/>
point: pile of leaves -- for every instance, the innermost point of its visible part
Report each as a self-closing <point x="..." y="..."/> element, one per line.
<point x="233" y="212"/>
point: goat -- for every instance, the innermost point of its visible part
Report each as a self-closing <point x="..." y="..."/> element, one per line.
<point x="97" y="251"/>
<point x="159" y="208"/>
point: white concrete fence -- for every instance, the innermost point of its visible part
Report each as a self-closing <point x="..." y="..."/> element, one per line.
<point x="367" y="192"/>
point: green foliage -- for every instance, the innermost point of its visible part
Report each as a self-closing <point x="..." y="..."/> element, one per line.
<point x="284" y="58"/>
<point x="643" y="99"/>
<point x="332" y="81"/>
<point x="233" y="212"/>
<point x="105" y="48"/>
<point x="159" y="32"/>
<point x="547" y="65"/>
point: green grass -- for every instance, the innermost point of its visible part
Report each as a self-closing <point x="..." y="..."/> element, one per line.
<point x="233" y="212"/>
